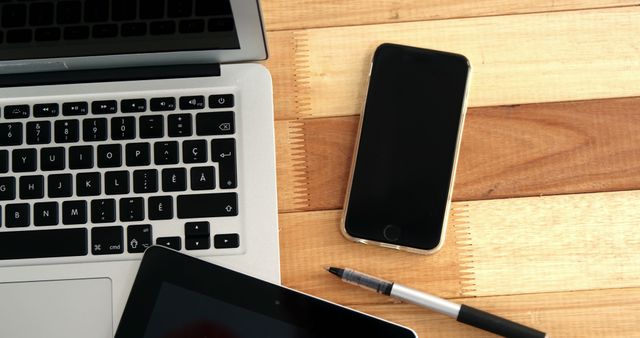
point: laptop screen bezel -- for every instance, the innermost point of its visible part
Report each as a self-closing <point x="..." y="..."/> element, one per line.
<point x="249" y="27"/>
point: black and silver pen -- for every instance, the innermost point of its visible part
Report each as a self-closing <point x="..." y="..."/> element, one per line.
<point x="462" y="313"/>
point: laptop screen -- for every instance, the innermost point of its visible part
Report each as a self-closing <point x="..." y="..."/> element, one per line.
<point x="72" y="28"/>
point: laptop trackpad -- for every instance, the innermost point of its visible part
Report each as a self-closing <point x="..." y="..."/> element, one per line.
<point x="64" y="308"/>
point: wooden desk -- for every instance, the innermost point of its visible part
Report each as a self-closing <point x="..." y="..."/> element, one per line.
<point x="545" y="225"/>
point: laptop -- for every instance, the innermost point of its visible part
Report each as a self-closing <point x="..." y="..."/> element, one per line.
<point x="126" y="124"/>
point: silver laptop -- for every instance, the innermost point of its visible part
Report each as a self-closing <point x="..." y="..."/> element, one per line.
<point x="124" y="124"/>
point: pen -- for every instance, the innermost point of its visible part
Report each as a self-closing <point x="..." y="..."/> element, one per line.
<point x="462" y="313"/>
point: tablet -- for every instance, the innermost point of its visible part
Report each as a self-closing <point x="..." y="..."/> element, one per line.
<point x="178" y="296"/>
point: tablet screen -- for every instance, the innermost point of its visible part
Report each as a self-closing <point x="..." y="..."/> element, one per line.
<point x="178" y="296"/>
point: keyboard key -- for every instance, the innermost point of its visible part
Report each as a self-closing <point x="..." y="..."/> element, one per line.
<point x="68" y="12"/>
<point x="24" y="160"/>
<point x="223" y="151"/>
<point x="74" y="212"/>
<point x="133" y="106"/>
<point x="41" y="14"/>
<point x="196" y="229"/>
<point x="107" y="240"/>
<point x="163" y="103"/>
<point x="17" y="215"/>
<point x="4" y="161"/>
<point x="207" y="205"/>
<point x="133" y="29"/>
<point x="109" y="155"/>
<point x="94" y="130"/>
<point x="48" y="34"/>
<point x="88" y="184"/>
<point x="179" y="8"/>
<point x="139" y="238"/>
<point x="17" y="112"/>
<point x="104" y="107"/>
<point x="14" y="15"/>
<point x="192" y="26"/>
<point x="179" y="125"/>
<point x="226" y="241"/>
<point x="45" y="214"/>
<point x="203" y="178"/>
<point x="39" y="132"/>
<point x="76" y="32"/>
<point x="221" y="101"/>
<point x="103" y="211"/>
<point x="43" y="243"/>
<point x="46" y="110"/>
<point x="198" y="243"/>
<point x="145" y="181"/>
<point x="75" y="108"/>
<point x="104" y="31"/>
<point x="116" y="182"/>
<point x="151" y="126"/>
<point x="96" y="10"/>
<point x="131" y="209"/>
<point x="151" y="9"/>
<point x="218" y="123"/>
<point x="10" y="134"/>
<point x="122" y="10"/>
<point x="191" y="102"/>
<point x="31" y="187"/>
<point x="7" y="188"/>
<point x="67" y="131"/>
<point x="138" y="154"/>
<point x="210" y="8"/>
<point x="194" y="151"/>
<point x="123" y="128"/>
<point x="221" y="25"/>
<point x="174" y="179"/>
<point x="81" y="157"/>
<point x="160" y="207"/>
<point x="165" y="152"/>
<point x="52" y="159"/>
<point x="174" y="243"/>
<point x="59" y="185"/>
<point x="162" y="27"/>
<point x="19" y="36"/>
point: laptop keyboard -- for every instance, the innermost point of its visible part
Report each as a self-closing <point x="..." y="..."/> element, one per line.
<point x="24" y="21"/>
<point x="101" y="176"/>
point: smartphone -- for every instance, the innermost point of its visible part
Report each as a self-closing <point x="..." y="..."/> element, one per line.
<point x="406" y="151"/>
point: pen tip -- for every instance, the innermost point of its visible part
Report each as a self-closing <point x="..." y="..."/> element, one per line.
<point x="326" y="267"/>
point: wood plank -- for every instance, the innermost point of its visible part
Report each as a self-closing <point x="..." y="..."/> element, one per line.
<point x="311" y="240"/>
<point x="517" y="59"/>
<point x="508" y="151"/>
<point x="495" y="247"/>
<point x="601" y="313"/>
<point x="552" y="243"/>
<point x="291" y="166"/>
<point x="284" y="14"/>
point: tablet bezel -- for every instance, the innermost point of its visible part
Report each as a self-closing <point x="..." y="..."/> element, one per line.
<point x="319" y="317"/>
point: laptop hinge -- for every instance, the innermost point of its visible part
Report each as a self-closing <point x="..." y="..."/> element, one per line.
<point x="109" y="75"/>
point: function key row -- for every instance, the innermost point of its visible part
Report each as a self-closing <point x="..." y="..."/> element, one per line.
<point x="111" y="106"/>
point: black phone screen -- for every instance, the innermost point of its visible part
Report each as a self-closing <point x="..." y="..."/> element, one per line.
<point x="407" y="146"/>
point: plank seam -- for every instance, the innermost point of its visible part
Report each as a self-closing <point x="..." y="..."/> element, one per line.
<point x="459" y="219"/>
<point x="302" y="74"/>
<point x="300" y="172"/>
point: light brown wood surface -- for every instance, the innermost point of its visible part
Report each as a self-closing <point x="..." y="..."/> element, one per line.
<point x="544" y="227"/>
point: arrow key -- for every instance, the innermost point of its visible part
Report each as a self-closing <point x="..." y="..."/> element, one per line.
<point x="196" y="229"/>
<point x="198" y="243"/>
<point x="174" y="243"/>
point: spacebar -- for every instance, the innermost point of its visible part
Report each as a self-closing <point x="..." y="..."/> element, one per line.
<point x="43" y="243"/>
<point x="208" y="205"/>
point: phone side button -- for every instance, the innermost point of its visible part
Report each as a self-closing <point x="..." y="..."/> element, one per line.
<point x="392" y="233"/>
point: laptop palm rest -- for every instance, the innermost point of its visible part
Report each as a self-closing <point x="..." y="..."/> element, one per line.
<point x="62" y="308"/>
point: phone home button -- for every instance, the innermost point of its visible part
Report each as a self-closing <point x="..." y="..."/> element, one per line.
<point x="391" y="233"/>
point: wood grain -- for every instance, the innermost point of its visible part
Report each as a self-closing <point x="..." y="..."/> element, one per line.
<point x="516" y="59"/>
<point x="284" y="14"/>
<point x="603" y="313"/>
<point x="552" y="243"/>
<point x="509" y="151"/>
